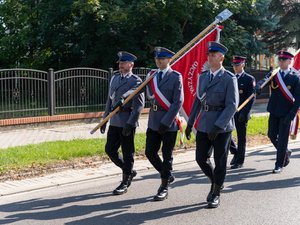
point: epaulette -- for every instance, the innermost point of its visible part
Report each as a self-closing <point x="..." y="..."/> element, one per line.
<point x="136" y="76"/>
<point x="249" y="75"/>
<point x="229" y="73"/>
<point x="294" y="72"/>
<point x="117" y="73"/>
<point x="203" y="72"/>
<point x="152" y="71"/>
<point x="176" y="72"/>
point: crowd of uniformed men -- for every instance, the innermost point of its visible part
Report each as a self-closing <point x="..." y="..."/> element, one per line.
<point x="219" y="93"/>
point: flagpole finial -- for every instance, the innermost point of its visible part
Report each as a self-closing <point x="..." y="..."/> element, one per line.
<point x="224" y="15"/>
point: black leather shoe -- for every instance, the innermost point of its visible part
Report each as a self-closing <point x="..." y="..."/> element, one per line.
<point x="236" y="166"/>
<point x="171" y="179"/>
<point x="121" y="189"/>
<point x="162" y="194"/>
<point x="132" y="175"/>
<point x="214" y="201"/>
<point x="222" y="187"/>
<point x="211" y="192"/>
<point x="287" y="160"/>
<point x="277" y="169"/>
<point x="232" y="162"/>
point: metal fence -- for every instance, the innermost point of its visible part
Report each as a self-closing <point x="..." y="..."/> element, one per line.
<point x="78" y="90"/>
<point x="26" y="92"/>
<point x="23" y="93"/>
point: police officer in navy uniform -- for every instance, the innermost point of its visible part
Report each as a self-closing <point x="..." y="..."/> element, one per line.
<point x="246" y="85"/>
<point x="282" y="111"/>
<point x="122" y="126"/>
<point x="162" y="125"/>
<point x="216" y="102"/>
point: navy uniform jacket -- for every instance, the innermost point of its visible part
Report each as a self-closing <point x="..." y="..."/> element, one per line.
<point x="278" y="105"/>
<point x="222" y="91"/>
<point x="171" y="87"/>
<point x="123" y="88"/>
<point x="246" y="85"/>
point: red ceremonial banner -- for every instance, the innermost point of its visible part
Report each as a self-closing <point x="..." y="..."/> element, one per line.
<point x="190" y="65"/>
<point x="297" y="60"/>
<point x="295" y="121"/>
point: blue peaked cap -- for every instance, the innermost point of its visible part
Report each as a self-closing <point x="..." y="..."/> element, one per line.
<point x="214" y="46"/>
<point x="126" y="57"/>
<point x="161" y="52"/>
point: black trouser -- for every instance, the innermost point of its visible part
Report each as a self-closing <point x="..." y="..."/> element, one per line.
<point x="278" y="133"/>
<point x="240" y="149"/>
<point x="153" y="142"/>
<point x="115" y="139"/>
<point x="221" y="146"/>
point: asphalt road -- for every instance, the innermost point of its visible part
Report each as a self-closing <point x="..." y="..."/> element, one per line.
<point x="252" y="195"/>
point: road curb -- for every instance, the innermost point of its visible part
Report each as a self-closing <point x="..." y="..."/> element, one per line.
<point x="87" y="174"/>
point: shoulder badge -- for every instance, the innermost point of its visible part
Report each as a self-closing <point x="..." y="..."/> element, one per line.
<point x="229" y="73"/>
<point x="176" y="72"/>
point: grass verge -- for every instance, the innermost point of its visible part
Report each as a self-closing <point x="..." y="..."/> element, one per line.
<point x="51" y="153"/>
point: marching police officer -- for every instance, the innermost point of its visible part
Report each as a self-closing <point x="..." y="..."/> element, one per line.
<point x="216" y="102"/>
<point x="246" y="85"/>
<point x="283" y="105"/>
<point x="166" y="96"/>
<point x="123" y="124"/>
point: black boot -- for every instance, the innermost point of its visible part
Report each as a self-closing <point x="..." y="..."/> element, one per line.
<point x="287" y="158"/>
<point x="233" y="160"/>
<point x="210" y="193"/>
<point x="162" y="192"/>
<point x="122" y="188"/>
<point x="171" y="179"/>
<point x="132" y="175"/>
<point x="214" y="201"/>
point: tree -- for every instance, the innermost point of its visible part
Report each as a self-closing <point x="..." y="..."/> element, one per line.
<point x="287" y="31"/>
<point x="34" y="34"/>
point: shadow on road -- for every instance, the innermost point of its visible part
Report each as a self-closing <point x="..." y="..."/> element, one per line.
<point x="118" y="211"/>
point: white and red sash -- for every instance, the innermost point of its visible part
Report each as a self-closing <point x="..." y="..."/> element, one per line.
<point x="164" y="102"/>
<point x="288" y="95"/>
<point x="283" y="88"/>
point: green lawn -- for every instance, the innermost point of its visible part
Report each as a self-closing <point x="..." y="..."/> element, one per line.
<point x="22" y="157"/>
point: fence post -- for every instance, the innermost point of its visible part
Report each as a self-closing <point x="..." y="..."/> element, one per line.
<point x="51" y="93"/>
<point x="110" y="71"/>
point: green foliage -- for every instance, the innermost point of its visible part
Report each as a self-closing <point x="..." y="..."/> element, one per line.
<point x="287" y="31"/>
<point x="34" y="34"/>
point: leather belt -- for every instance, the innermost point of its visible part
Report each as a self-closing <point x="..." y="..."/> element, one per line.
<point x="157" y="108"/>
<point x="207" y="108"/>
<point x="125" y="109"/>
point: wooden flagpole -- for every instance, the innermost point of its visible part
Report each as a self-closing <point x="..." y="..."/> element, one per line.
<point x="224" y="15"/>
<point x="262" y="86"/>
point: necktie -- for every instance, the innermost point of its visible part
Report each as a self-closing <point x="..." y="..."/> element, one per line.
<point x="160" y="76"/>
<point x="282" y="74"/>
<point x="211" y="77"/>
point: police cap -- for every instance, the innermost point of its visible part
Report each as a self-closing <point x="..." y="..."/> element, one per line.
<point x="214" y="46"/>
<point x="161" y="52"/>
<point x="238" y="60"/>
<point x="285" y="55"/>
<point x="126" y="57"/>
